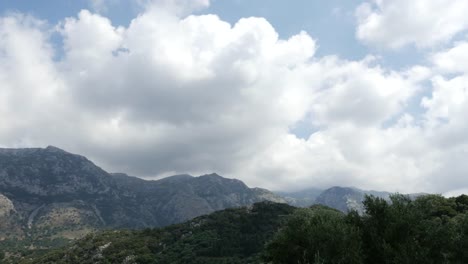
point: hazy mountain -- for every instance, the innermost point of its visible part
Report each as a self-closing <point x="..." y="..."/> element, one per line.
<point x="303" y="198"/>
<point x="350" y="198"/>
<point x="49" y="192"/>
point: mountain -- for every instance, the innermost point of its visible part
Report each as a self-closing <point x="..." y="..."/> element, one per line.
<point x="347" y="198"/>
<point x="340" y="198"/>
<point x="48" y="195"/>
<point x="234" y="236"/>
<point x="350" y="198"/>
<point x="303" y="198"/>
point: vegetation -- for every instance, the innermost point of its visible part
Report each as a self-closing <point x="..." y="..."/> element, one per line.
<point x="316" y="235"/>
<point x="429" y="229"/>
<point x="229" y="236"/>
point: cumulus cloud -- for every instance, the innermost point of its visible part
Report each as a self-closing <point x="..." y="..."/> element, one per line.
<point x="172" y="93"/>
<point x="200" y="91"/>
<point x="358" y="93"/>
<point x="452" y="60"/>
<point x="31" y="87"/>
<point x="423" y="23"/>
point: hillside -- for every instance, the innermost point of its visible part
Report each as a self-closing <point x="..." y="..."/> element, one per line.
<point x="427" y="229"/>
<point x="229" y="236"/>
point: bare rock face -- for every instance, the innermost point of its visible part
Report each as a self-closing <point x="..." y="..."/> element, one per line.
<point x="266" y="195"/>
<point x="347" y="198"/>
<point x="48" y="192"/>
<point x="9" y="228"/>
<point x="6" y="206"/>
<point x="49" y="172"/>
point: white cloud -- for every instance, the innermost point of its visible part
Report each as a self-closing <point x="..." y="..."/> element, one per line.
<point x="173" y="94"/>
<point x="423" y="23"/>
<point x="357" y="93"/>
<point x="456" y="193"/>
<point x="452" y="60"/>
<point x="397" y="159"/>
<point x="31" y="89"/>
<point x="90" y="37"/>
<point x="201" y="92"/>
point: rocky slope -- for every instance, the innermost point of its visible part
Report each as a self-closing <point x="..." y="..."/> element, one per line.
<point x="349" y="198"/>
<point x="48" y="194"/>
<point x="340" y="198"/>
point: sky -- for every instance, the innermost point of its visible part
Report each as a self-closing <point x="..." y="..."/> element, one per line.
<point x="280" y="94"/>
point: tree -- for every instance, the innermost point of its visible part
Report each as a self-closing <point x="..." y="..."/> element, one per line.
<point x="316" y="235"/>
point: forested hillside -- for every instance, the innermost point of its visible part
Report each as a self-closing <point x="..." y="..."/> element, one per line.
<point x="229" y="236"/>
<point x="429" y="229"/>
<point x="49" y="197"/>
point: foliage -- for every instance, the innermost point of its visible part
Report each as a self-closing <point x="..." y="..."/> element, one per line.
<point x="229" y="236"/>
<point x="316" y="235"/>
<point x="429" y="229"/>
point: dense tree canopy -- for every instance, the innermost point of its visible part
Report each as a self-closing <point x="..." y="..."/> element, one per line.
<point x="429" y="229"/>
<point x="316" y="235"/>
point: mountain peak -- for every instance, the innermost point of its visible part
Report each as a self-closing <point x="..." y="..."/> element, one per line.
<point x="175" y="178"/>
<point x="54" y="149"/>
<point x="214" y="175"/>
<point x="27" y="151"/>
<point x="49" y="172"/>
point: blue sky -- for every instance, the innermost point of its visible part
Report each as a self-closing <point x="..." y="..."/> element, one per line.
<point x="374" y="93"/>
<point x="56" y="10"/>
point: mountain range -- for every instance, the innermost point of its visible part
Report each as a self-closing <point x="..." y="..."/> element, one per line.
<point x="49" y="196"/>
<point x="50" y="193"/>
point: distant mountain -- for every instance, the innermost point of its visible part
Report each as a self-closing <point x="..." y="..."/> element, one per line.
<point x="349" y="198"/>
<point x="340" y="198"/>
<point x="50" y="193"/>
<point x="346" y="198"/>
<point x="303" y="198"/>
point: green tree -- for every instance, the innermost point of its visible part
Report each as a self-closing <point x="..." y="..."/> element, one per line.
<point x="316" y="235"/>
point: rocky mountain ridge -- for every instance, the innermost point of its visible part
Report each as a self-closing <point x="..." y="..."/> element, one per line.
<point x="48" y="192"/>
<point x="48" y="196"/>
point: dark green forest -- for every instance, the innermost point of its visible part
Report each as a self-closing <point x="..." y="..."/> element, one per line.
<point x="429" y="229"/>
